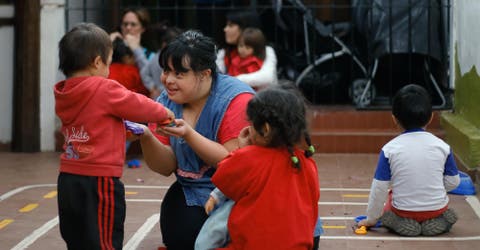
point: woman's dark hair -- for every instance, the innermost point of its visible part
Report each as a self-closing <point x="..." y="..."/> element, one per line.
<point x="412" y="106"/>
<point x="244" y="19"/>
<point x="190" y="47"/>
<point x="79" y="47"/>
<point x="120" y="49"/>
<point x="285" y="111"/>
<point x="254" y="38"/>
<point x="141" y="13"/>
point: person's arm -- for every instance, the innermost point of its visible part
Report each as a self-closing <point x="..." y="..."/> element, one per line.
<point x="146" y="73"/>
<point x="159" y="157"/>
<point x="378" y="191"/>
<point x="133" y="43"/>
<point x="451" y="178"/>
<point x="130" y="105"/>
<point x="209" y="151"/>
<point x="221" y="61"/>
<point x="267" y="75"/>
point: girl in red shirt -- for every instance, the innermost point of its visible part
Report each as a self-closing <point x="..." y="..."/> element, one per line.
<point x="250" y="53"/>
<point x="274" y="184"/>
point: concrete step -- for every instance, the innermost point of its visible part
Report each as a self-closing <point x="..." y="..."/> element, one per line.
<point x="343" y="129"/>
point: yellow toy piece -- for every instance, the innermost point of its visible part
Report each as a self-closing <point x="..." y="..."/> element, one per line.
<point x="361" y="230"/>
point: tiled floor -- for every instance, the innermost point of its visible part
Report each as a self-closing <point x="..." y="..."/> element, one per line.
<point x="345" y="178"/>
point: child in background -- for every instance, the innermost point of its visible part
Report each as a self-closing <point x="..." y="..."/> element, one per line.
<point x="251" y="53"/>
<point x="123" y="68"/>
<point x="419" y="168"/>
<point x="92" y="108"/>
<point x="270" y="175"/>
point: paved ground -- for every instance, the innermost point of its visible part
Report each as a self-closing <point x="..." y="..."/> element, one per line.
<point x="28" y="212"/>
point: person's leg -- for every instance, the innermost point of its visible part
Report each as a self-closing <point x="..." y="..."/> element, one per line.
<point x="440" y="224"/>
<point x="180" y="223"/>
<point x="214" y="232"/>
<point x="400" y="225"/>
<point x="80" y="201"/>
<point x="316" y="242"/>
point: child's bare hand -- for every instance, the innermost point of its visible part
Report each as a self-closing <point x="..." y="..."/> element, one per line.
<point x="244" y="137"/>
<point x="170" y="115"/>
<point x="133" y="41"/>
<point x="210" y="204"/>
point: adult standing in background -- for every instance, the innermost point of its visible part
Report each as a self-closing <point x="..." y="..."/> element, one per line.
<point x="236" y="22"/>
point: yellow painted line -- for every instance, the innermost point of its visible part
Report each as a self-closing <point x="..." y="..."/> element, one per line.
<point x="334" y="227"/>
<point x="130" y="193"/>
<point x="355" y="195"/>
<point x="50" y="195"/>
<point x="28" y="208"/>
<point x="5" y="223"/>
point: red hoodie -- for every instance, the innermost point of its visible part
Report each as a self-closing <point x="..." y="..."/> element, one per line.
<point x="92" y="110"/>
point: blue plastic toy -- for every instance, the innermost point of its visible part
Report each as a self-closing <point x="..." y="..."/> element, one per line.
<point x="361" y="217"/>
<point x="466" y="186"/>
<point x="135" y="163"/>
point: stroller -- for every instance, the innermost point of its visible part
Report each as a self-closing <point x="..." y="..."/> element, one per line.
<point x="407" y="39"/>
<point x="340" y="65"/>
<point x="313" y="54"/>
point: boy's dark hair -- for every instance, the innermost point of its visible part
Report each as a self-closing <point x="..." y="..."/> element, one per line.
<point x="79" y="47"/>
<point x="285" y="111"/>
<point x="192" y="47"/>
<point x="120" y="49"/>
<point x="412" y="106"/>
<point x="253" y="37"/>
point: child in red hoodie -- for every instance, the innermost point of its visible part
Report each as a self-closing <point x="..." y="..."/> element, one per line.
<point x="92" y="108"/>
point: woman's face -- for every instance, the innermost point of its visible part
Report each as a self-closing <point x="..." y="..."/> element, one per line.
<point x="232" y="33"/>
<point x="131" y="24"/>
<point x="182" y="87"/>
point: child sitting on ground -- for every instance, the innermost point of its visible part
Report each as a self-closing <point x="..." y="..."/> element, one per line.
<point x="92" y="108"/>
<point x="260" y="169"/>
<point x="419" y="168"/>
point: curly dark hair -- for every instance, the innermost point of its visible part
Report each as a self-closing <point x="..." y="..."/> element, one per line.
<point x="284" y="109"/>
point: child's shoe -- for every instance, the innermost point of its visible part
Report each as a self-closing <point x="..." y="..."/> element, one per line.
<point x="441" y="224"/>
<point x="400" y="225"/>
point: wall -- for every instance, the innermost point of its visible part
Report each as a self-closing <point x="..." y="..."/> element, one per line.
<point x="6" y="73"/>
<point x="462" y="125"/>
<point x="52" y="28"/>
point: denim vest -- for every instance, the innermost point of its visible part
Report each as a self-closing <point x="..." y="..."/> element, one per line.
<point x="192" y="172"/>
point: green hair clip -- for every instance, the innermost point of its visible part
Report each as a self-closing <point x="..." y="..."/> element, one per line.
<point x="294" y="159"/>
<point x="311" y="149"/>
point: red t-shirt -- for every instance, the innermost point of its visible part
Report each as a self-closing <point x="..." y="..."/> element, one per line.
<point x="128" y="76"/>
<point x="234" y="120"/>
<point x="245" y="65"/>
<point x="276" y="205"/>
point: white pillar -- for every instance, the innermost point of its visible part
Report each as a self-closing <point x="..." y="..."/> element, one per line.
<point x="6" y="75"/>
<point x="52" y="28"/>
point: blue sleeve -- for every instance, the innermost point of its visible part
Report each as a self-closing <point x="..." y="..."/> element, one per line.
<point x="383" y="173"/>
<point x="450" y="165"/>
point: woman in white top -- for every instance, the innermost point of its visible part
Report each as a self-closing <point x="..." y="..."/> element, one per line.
<point x="236" y="23"/>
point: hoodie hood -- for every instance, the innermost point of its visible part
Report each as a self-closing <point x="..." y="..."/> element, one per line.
<point x="73" y="94"/>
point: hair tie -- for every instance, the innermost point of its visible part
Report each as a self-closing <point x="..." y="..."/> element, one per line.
<point x="294" y="159"/>
<point x="311" y="149"/>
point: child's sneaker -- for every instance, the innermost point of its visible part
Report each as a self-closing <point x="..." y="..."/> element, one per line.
<point x="434" y="226"/>
<point x="441" y="224"/>
<point x="450" y="216"/>
<point x="400" y="225"/>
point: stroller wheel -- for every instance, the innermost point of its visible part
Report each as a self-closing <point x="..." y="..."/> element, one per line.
<point x="357" y="90"/>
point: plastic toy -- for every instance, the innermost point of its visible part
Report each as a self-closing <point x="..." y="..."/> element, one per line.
<point x="361" y="230"/>
<point x="135" y="163"/>
<point x="168" y="123"/>
<point x="466" y="186"/>
<point x="361" y="217"/>
<point x="133" y="128"/>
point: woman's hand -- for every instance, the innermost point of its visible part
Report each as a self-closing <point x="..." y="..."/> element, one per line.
<point x="114" y="35"/>
<point x="133" y="41"/>
<point x="210" y="204"/>
<point x="181" y="129"/>
<point x="244" y="137"/>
